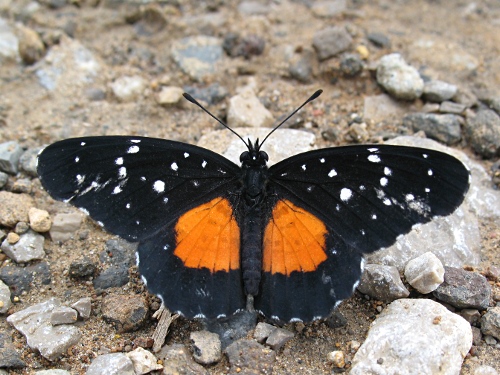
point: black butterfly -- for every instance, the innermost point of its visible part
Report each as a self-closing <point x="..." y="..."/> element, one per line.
<point x="213" y="234"/>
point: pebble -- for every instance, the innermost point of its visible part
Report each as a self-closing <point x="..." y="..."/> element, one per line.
<point x="4" y="177"/>
<point x="5" y="302"/>
<point x="336" y="320"/>
<point x="438" y="91"/>
<point x="152" y="20"/>
<point x="12" y="238"/>
<point x="471" y="315"/>
<point x="278" y="338"/>
<point x="493" y="273"/>
<point x="126" y="312"/>
<point x="177" y="360"/>
<point x="363" y="52"/>
<point x="63" y="315"/>
<point x="64" y="226"/>
<point x="111" y="364"/>
<point x="206" y="347"/>
<point x="245" y="109"/>
<point x="82" y="269"/>
<point x="21" y="279"/>
<point x="490" y="340"/>
<point x="336" y="358"/>
<point x="452" y="107"/>
<point x="398" y="78"/>
<point x="382" y="283"/>
<point x="234" y="328"/>
<point x="34" y="323"/>
<point x="327" y="9"/>
<point x="430" y="108"/>
<point x="492" y="102"/>
<point x="383" y="108"/>
<point x="28" y="160"/>
<point x="112" y="277"/>
<point x="465" y="97"/>
<point x="170" y="96"/>
<point x="39" y="220"/>
<point x="464" y="289"/>
<point x="252" y="8"/>
<point x="437" y="346"/>
<point x="425" y="273"/>
<point x="52" y="372"/>
<point x="119" y="252"/>
<point x="211" y="94"/>
<point x="21" y="227"/>
<point x="300" y="66"/>
<point x="144" y="361"/>
<point x="128" y="88"/>
<point x="331" y="41"/>
<point x="198" y="56"/>
<point x="249" y="357"/>
<point x="485" y="370"/>
<point x="490" y="322"/>
<point x="445" y="128"/>
<point x="31" y="47"/>
<point x="247" y="46"/>
<point x="9" y="357"/>
<point x="351" y="65"/>
<point x="22" y="185"/>
<point x="483" y="133"/>
<point x="477" y="336"/>
<point x="262" y="332"/>
<point x="84" y="307"/>
<point x="10" y="153"/>
<point x="380" y="40"/>
<point x="28" y="248"/>
<point x="9" y="43"/>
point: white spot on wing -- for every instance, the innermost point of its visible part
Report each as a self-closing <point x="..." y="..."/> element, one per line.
<point x="384" y="181"/>
<point x="387" y="201"/>
<point x="425" y="156"/>
<point x="427" y="190"/>
<point x="345" y="194"/>
<point x="80" y="179"/>
<point x="374" y="158"/>
<point x="135" y="141"/>
<point x="82" y="143"/>
<point x="133" y="150"/>
<point x="322" y="160"/>
<point x="119" y="161"/>
<point x="374" y="217"/>
<point x="332" y="173"/>
<point x="127" y="205"/>
<point x="122" y="172"/>
<point x="186" y="155"/>
<point x="429" y="172"/>
<point x="116" y="190"/>
<point x="159" y="186"/>
<point x="304" y="167"/>
<point x="204" y="164"/>
<point x="77" y="159"/>
<point x="84" y="211"/>
<point x="387" y="171"/>
<point x="409" y="197"/>
<point x="174" y="166"/>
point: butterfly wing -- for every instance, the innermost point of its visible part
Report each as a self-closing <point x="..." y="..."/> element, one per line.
<point x="365" y="197"/>
<point x="171" y="197"/>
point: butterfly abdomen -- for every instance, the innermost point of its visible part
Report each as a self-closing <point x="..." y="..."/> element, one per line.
<point x="251" y="249"/>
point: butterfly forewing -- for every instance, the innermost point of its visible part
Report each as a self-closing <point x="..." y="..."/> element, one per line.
<point x="134" y="186"/>
<point x="369" y="195"/>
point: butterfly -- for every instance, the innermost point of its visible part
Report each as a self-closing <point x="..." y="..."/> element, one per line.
<point x="214" y="236"/>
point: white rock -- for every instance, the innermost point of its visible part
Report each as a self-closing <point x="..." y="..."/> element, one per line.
<point x="5" y="302"/>
<point x="128" y="88"/>
<point x="64" y="226"/>
<point x="9" y="43"/>
<point x="111" y="364"/>
<point x="39" y="220"/>
<point x="398" y="78"/>
<point x="245" y="109"/>
<point x="414" y="337"/>
<point x="144" y="361"/>
<point x="28" y="248"/>
<point x="206" y="347"/>
<point x="425" y="273"/>
<point x="170" y="96"/>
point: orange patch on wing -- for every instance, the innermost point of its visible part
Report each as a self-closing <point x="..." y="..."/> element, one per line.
<point x="208" y="237"/>
<point x="294" y="240"/>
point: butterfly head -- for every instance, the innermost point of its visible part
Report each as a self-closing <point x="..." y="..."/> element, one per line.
<point x="254" y="156"/>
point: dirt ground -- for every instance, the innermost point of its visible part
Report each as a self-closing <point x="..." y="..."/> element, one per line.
<point x="33" y="116"/>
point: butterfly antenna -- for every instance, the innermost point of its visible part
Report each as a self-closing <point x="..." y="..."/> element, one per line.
<point x="194" y="101"/>
<point x="311" y="98"/>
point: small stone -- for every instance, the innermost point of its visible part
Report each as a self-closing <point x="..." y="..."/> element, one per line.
<point x="9" y="357"/>
<point x="485" y="370"/>
<point x="351" y="65"/>
<point x="398" y="78"/>
<point x="493" y="273"/>
<point x="82" y="268"/>
<point x="39" y="220"/>
<point x="252" y="8"/>
<point x="336" y="358"/>
<point x="477" y="336"/>
<point x="331" y="41"/>
<point x="206" y="347"/>
<point x="363" y="51"/>
<point x="301" y="66"/>
<point x="249" y="357"/>
<point x="380" y="40"/>
<point x="52" y="372"/>
<point x="111" y="364"/>
<point x="382" y="283"/>
<point x="21" y="227"/>
<point x="425" y="273"/>
<point x="445" y="128"/>
<point x="84" y="307"/>
<point x="31" y="47"/>
<point x="246" y="47"/>
<point x="144" y="361"/>
<point x="452" y="107"/>
<point x="438" y="91"/>
<point x="5" y="301"/>
<point x="20" y="279"/>
<point x="128" y="88"/>
<point x="22" y="185"/>
<point x="95" y="94"/>
<point x="358" y="133"/>
<point x="119" y="252"/>
<point x="483" y="133"/>
<point x="234" y="328"/>
<point x="178" y="361"/>
<point x="127" y="313"/>
<point x="465" y="97"/>
<point x="245" y="109"/>
<point x="211" y="94"/>
<point x="490" y="340"/>
<point x="328" y="8"/>
<point x="262" y="331"/>
<point x="492" y="102"/>
<point x="4" y="177"/>
<point x="471" y="315"/>
<point x="28" y="160"/>
<point x="278" y="338"/>
<point x="14" y="208"/>
<point x="464" y="289"/>
<point x="28" y="248"/>
<point x="63" y="315"/>
<point x="490" y="322"/>
<point x="12" y="238"/>
<point x="10" y="153"/>
<point x="430" y="108"/>
<point x="336" y="320"/>
<point x="112" y="277"/>
<point x="64" y="226"/>
<point x="10" y="43"/>
<point x="170" y="96"/>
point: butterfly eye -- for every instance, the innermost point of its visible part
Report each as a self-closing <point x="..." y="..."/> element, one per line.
<point x="263" y="155"/>
<point x="244" y="156"/>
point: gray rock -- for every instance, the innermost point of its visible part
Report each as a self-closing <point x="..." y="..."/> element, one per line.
<point x="112" y="277"/>
<point x="249" y="357"/>
<point x="437" y="339"/>
<point x="82" y="268"/>
<point x="351" y="65"/>
<point x="4" y="177"/>
<point x="31" y="47"/>
<point x="178" y="361"/>
<point x="245" y="46"/>
<point x="382" y="283"/>
<point x="331" y="41"/>
<point x="111" y="364"/>
<point x="206" y="347"/>
<point x="425" y="273"/>
<point x="252" y="8"/>
<point x="278" y="338"/>
<point x="9" y="44"/>
<point x="262" y="331"/>
<point x="198" y="56"/>
<point x="245" y="109"/>
<point x="328" y="8"/>
<point x="441" y="127"/>
<point x="483" y="133"/>
<point x="84" y="307"/>
<point x="490" y="322"/>
<point x="379" y="39"/>
<point x="14" y="208"/>
<point x="5" y="302"/>
<point x="28" y="248"/>
<point x="21" y="279"/>
<point x="471" y="315"/>
<point x="64" y="226"/>
<point x="211" y="94"/>
<point x="233" y="328"/>
<point x="22" y="185"/>
<point x="9" y="357"/>
<point x="493" y="103"/>
<point x="464" y="289"/>
<point x="10" y="153"/>
<point x="300" y="65"/>
<point x="34" y="323"/>
<point x="119" y="252"/>
<point x="126" y="312"/>
<point x="144" y="362"/>
<point x="128" y="88"/>
<point x="63" y="315"/>
<point x="452" y="107"/>
<point x="438" y="91"/>
<point x="465" y="97"/>
<point x="398" y="78"/>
